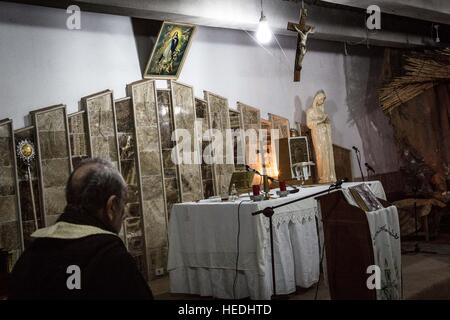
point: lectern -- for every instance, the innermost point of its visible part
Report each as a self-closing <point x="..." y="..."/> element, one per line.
<point x="348" y="248"/>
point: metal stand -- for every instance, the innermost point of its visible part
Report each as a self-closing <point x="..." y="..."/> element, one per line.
<point x="358" y="157"/>
<point x="270" y="211"/>
<point x="33" y="205"/>
<point x="417" y="248"/>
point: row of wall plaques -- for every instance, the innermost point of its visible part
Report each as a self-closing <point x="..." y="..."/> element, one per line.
<point x="137" y="131"/>
<point x="10" y="221"/>
<point x="184" y="116"/>
<point x="54" y="159"/>
<point x="150" y="173"/>
<point x="219" y="119"/>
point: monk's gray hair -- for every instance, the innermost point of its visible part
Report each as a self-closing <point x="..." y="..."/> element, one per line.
<point x="92" y="183"/>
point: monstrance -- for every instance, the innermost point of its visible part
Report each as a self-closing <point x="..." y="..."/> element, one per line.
<point x="26" y="153"/>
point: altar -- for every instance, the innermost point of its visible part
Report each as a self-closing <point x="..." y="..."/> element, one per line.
<point x="218" y="249"/>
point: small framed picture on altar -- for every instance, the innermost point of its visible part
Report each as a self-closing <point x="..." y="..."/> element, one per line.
<point x="242" y="180"/>
<point x="170" y="51"/>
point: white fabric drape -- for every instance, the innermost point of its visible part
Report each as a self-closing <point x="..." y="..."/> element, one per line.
<point x="385" y="232"/>
<point x="203" y="247"/>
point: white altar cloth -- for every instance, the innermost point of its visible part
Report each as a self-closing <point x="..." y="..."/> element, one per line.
<point x="203" y="239"/>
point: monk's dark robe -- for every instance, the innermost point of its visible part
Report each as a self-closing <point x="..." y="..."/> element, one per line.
<point x="48" y="269"/>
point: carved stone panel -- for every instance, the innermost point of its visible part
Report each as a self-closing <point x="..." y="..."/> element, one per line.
<point x="166" y="129"/>
<point x="281" y="124"/>
<point x="190" y="176"/>
<point x="268" y="161"/>
<point x="78" y="137"/>
<point x="54" y="159"/>
<point x="10" y="223"/>
<point x="201" y="109"/>
<point x="25" y="187"/>
<point x="101" y="126"/>
<point x="133" y="226"/>
<point x="150" y="173"/>
<point x="219" y="119"/>
<point x="235" y="119"/>
<point x="251" y="119"/>
<point x="236" y="126"/>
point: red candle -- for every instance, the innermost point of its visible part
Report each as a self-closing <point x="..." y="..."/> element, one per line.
<point x="282" y="186"/>
<point x="256" y="189"/>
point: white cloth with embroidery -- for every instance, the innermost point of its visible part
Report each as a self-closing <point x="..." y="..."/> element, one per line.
<point x="203" y="247"/>
<point x="385" y="232"/>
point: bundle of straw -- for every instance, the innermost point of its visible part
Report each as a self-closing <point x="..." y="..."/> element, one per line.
<point x="422" y="72"/>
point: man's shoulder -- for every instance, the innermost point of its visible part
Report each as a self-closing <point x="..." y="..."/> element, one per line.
<point x="104" y="245"/>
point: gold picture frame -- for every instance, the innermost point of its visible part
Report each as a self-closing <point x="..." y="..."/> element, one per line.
<point x="170" y="51"/>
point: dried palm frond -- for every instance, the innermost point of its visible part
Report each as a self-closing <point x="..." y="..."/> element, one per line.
<point x="422" y="72"/>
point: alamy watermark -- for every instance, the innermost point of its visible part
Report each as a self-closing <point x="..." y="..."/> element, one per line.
<point x="229" y="146"/>
<point x="374" y="280"/>
<point x="373" y="21"/>
<point x="73" y="22"/>
<point x="74" y="279"/>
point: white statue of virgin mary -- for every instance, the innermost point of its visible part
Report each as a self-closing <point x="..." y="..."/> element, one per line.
<point x="319" y="123"/>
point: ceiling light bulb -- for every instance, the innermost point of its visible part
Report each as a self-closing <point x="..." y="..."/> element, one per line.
<point x="263" y="34"/>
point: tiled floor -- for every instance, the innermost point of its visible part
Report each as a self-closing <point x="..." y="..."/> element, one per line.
<point x="425" y="276"/>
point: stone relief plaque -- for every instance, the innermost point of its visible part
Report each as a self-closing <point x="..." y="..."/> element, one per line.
<point x="29" y="193"/>
<point x="201" y="109"/>
<point x="10" y="222"/>
<point x="54" y="159"/>
<point x="150" y="173"/>
<point x="266" y="143"/>
<point x="184" y="116"/>
<point x="235" y="125"/>
<point x="78" y="137"/>
<point x="219" y="119"/>
<point x="251" y="119"/>
<point x="166" y="129"/>
<point x="280" y="123"/>
<point x="133" y="226"/>
<point x="101" y="126"/>
<point x="235" y="119"/>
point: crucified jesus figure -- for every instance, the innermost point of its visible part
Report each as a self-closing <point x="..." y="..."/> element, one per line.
<point x="301" y="50"/>
<point x="303" y="31"/>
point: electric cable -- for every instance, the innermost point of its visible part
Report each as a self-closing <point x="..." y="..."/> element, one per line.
<point x="237" y="245"/>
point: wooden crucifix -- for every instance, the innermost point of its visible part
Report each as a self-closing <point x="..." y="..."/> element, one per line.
<point x="303" y="31"/>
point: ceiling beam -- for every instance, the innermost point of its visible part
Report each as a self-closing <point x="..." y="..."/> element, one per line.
<point x="331" y="23"/>
<point x="437" y="11"/>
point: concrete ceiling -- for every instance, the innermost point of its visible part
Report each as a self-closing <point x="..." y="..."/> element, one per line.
<point x="331" y="19"/>
<point x="429" y="10"/>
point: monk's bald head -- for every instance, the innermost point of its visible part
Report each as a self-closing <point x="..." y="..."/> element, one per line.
<point x="92" y="183"/>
